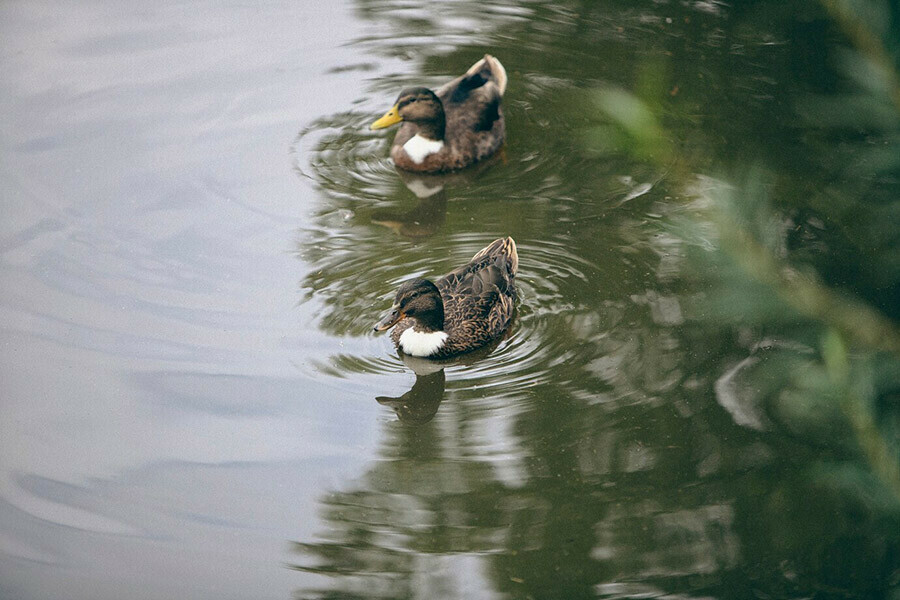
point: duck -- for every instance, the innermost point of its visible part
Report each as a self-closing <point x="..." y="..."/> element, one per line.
<point x="462" y="311"/>
<point x="450" y="129"/>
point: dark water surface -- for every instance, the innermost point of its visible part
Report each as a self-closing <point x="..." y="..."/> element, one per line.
<point x="199" y="231"/>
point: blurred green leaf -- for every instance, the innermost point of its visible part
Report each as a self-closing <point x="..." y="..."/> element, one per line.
<point x="835" y="354"/>
<point x="643" y="134"/>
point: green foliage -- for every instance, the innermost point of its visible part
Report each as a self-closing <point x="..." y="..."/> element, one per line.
<point x="759" y="274"/>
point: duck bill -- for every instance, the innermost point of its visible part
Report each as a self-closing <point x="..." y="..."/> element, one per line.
<point x="389" y="320"/>
<point x="390" y="118"/>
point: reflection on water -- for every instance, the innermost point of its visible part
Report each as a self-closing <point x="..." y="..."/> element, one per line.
<point x="420" y="221"/>
<point x="200" y="229"/>
<point x="619" y="442"/>
<point x="421" y="402"/>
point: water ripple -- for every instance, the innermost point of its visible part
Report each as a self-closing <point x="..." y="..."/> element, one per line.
<point x="374" y="227"/>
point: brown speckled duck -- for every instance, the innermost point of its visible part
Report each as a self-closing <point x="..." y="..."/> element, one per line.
<point x="458" y="126"/>
<point x="464" y="310"/>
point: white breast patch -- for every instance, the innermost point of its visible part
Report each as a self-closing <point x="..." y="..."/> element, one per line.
<point x="417" y="148"/>
<point x="418" y="343"/>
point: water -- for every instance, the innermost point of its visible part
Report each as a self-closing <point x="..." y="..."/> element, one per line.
<point x="199" y="231"/>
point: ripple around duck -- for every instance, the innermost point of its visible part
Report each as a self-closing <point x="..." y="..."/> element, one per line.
<point x="351" y="164"/>
<point x="344" y="158"/>
<point x="537" y="345"/>
<point x="355" y="270"/>
<point x="540" y="189"/>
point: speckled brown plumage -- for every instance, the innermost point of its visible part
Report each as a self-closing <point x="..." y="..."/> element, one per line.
<point x="475" y="127"/>
<point x="478" y="298"/>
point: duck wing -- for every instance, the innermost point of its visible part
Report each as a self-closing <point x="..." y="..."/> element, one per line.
<point x="495" y="264"/>
<point x="479" y="297"/>
<point x="501" y="247"/>
<point x="472" y="101"/>
<point x="487" y="77"/>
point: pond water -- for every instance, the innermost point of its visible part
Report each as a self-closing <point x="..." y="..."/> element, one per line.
<point x="199" y="231"/>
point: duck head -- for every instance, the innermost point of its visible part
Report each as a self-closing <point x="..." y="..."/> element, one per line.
<point x="420" y="106"/>
<point x="420" y="300"/>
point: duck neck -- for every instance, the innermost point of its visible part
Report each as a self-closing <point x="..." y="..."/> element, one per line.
<point x="433" y="129"/>
<point x="430" y="322"/>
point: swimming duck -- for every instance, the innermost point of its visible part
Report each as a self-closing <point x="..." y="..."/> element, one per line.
<point x="459" y="125"/>
<point x="463" y="310"/>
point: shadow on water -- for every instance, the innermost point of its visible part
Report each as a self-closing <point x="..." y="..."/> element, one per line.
<point x="647" y="429"/>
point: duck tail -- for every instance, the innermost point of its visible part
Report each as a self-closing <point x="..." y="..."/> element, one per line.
<point x="494" y="67"/>
<point x="505" y="247"/>
<point x="512" y="254"/>
<point x="500" y="74"/>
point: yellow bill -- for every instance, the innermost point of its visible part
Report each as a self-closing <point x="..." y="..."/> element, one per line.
<point x="390" y="117"/>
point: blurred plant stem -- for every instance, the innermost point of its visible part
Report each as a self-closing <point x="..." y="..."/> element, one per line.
<point x="745" y="225"/>
<point x="878" y="453"/>
<point x="855" y="320"/>
<point x="844" y="317"/>
<point x="862" y="36"/>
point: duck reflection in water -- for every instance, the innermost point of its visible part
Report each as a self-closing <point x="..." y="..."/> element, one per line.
<point x="420" y="404"/>
<point x="426" y="217"/>
<point x="429" y="214"/>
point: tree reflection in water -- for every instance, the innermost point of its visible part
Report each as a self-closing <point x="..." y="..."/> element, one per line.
<point x="663" y="421"/>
